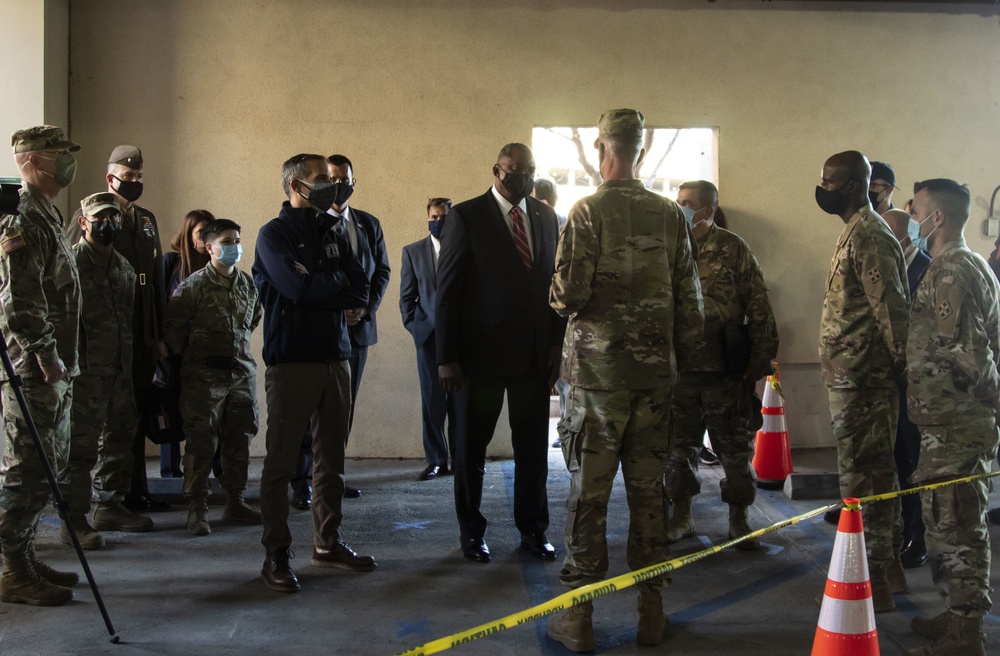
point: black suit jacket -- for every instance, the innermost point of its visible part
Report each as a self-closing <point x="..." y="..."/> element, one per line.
<point x="375" y="261"/>
<point x="417" y="290"/>
<point x="492" y="316"/>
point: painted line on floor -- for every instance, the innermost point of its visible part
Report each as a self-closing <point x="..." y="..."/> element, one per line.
<point x="601" y="588"/>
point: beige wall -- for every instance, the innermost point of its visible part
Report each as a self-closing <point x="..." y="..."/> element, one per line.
<point x="421" y="95"/>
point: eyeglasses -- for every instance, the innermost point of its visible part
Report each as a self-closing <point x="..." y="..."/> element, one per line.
<point x="880" y="186"/>
<point x="529" y="172"/>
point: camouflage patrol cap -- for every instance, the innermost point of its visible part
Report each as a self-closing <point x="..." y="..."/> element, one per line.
<point x="629" y="122"/>
<point x="94" y="203"/>
<point x="129" y="156"/>
<point x="41" y="137"/>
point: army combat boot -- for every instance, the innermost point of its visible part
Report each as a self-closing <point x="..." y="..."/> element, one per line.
<point x="740" y="526"/>
<point x="111" y="515"/>
<point x="963" y="637"/>
<point x="574" y="628"/>
<point x="21" y="584"/>
<point x="198" y="516"/>
<point x="238" y="510"/>
<point x="931" y="628"/>
<point x="896" y="577"/>
<point x="85" y="533"/>
<point x="881" y="591"/>
<point x="652" y="621"/>
<point x="53" y="576"/>
<point x="681" y="525"/>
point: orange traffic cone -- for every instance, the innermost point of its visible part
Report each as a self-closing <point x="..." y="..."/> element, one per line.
<point x="847" y="619"/>
<point x="772" y="452"/>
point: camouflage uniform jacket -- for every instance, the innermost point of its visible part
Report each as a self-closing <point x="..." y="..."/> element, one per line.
<point x="862" y="342"/>
<point x="954" y="347"/>
<point x="107" y="283"/>
<point x="627" y="279"/>
<point x="39" y="288"/>
<point x="734" y="292"/>
<point x="211" y="316"/>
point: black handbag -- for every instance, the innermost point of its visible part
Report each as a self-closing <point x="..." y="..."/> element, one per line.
<point x="162" y="415"/>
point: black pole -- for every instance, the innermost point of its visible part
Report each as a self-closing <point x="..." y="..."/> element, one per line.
<point x="17" y="384"/>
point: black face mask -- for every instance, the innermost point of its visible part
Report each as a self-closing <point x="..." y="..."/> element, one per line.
<point x="321" y="196"/>
<point x="873" y="198"/>
<point x="342" y="191"/>
<point x="831" y="201"/>
<point x="130" y="190"/>
<point x="435" y="228"/>
<point x="519" y="185"/>
<point x="104" y="233"/>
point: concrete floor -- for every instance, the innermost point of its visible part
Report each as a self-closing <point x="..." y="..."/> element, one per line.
<point x="170" y="593"/>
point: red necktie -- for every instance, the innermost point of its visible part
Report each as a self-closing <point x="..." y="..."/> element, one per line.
<point x="521" y="237"/>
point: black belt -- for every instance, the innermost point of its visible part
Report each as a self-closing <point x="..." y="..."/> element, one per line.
<point x="219" y="362"/>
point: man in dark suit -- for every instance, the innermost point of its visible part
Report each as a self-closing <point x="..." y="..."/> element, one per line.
<point x="497" y="335"/>
<point x="417" y="296"/>
<point x="364" y="232"/>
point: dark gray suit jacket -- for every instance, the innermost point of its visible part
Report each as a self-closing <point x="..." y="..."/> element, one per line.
<point x="417" y="290"/>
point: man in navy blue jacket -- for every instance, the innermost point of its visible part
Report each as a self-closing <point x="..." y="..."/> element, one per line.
<point x="307" y="277"/>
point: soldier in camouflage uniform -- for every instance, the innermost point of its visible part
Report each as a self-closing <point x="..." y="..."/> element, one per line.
<point x="953" y="356"/>
<point x="39" y="318"/>
<point x="102" y="394"/>
<point x="711" y="394"/>
<point x="626" y="278"/>
<point x="209" y="321"/>
<point x="862" y="356"/>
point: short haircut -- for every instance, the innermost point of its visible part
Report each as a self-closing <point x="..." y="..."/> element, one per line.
<point x="623" y="146"/>
<point x="340" y="160"/>
<point x="438" y="202"/>
<point x="951" y="196"/>
<point x="295" y="168"/>
<point x="545" y="190"/>
<point x="508" y="150"/>
<point x="708" y="194"/>
<point x="217" y="227"/>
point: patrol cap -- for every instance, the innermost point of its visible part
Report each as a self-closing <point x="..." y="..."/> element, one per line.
<point x="41" y="137"/>
<point x="882" y="171"/>
<point x="129" y="156"/>
<point x="94" y="203"/>
<point x="629" y="122"/>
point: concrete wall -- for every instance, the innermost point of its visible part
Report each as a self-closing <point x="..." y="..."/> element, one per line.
<point x="421" y="95"/>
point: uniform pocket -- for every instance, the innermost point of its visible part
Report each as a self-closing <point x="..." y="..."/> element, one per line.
<point x="570" y="428"/>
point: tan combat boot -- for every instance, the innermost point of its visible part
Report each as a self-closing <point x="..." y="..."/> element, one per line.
<point x="964" y="637"/>
<point x="85" y="533"/>
<point x="198" y="517"/>
<point x="652" y="622"/>
<point x="881" y="592"/>
<point x="931" y="628"/>
<point x="111" y="515"/>
<point x="739" y="526"/>
<point x="21" y="584"/>
<point x="238" y="510"/>
<point x="897" y="578"/>
<point x="53" y="576"/>
<point x="681" y="525"/>
<point x="574" y="628"/>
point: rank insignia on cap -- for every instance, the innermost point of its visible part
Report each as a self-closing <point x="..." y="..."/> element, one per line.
<point x="944" y="310"/>
<point x="332" y="250"/>
<point x="13" y="242"/>
<point x="874" y="275"/>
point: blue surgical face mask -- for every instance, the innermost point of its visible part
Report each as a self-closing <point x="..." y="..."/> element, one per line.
<point x="229" y="254"/>
<point x="918" y="241"/>
<point x="689" y="213"/>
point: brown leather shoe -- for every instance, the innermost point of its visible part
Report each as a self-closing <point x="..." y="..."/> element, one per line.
<point x="341" y="556"/>
<point x="277" y="573"/>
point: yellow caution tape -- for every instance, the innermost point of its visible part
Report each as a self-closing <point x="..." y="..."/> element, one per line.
<point x="775" y="380"/>
<point x="594" y="590"/>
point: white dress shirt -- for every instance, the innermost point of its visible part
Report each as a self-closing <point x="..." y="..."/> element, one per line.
<point x="505" y="207"/>
<point x="349" y="225"/>
<point x="437" y="250"/>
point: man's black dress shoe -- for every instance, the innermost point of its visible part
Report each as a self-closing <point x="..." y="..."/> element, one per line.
<point x="145" y="503"/>
<point x="832" y="516"/>
<point x="302" y="498"/>
<point x="993" y="516"/>
<point x="351" y="492"/>
<point x="433" y="471"/>
<point x="476" y="550"/>
<point x="539" y="546"/>
<point x="913" y="555"/>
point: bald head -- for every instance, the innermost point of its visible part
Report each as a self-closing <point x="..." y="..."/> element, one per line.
<point x="898" y="221"/>
<point x="851" y="165"/>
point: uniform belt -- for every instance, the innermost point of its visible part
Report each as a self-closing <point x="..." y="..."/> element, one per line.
<point x="219" y="362"/>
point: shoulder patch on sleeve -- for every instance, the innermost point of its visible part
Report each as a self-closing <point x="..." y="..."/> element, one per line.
<point x="874" y="275"/>
<point x="14" y="241"/>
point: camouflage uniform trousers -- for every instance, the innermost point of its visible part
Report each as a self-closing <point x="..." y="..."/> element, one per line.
<point x="25" y="490"/>
<point x="600" y="430"/>
<point x="103" y="407"/>
<point x="713" y="402"/>
<point x="864" y="426"/>
<point x="218" y="407"/>
<point x="957" y="539"/>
